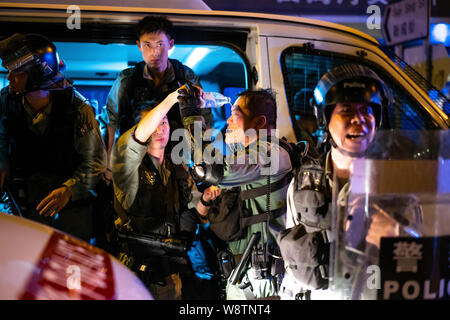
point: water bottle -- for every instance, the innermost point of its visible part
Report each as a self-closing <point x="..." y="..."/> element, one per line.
<point x="214" y="100"/>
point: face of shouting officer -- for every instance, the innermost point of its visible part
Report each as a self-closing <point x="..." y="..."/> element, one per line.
<point x="352" y="126"/>
<point x="155" y="48"/>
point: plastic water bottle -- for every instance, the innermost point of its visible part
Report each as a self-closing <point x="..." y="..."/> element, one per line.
<point x="214" y="100"/>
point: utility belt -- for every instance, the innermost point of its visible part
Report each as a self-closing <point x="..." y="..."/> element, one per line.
<point x="153" y="247"/>
<point x="151" y="269"/>
<point x="272" y="267"/>
<point x="257" y="263"/>
<point x="130" y="224"/>
<point x="152" y="256"/>
<point x="154" y="244"/>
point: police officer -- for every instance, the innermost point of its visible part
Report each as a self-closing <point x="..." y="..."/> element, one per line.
<point x="349" y="101"/>
<point x="50" y="145"/>
<point x="150" y="81"/>
<point x="256" y="175"/>
<point x="152" y="197"/>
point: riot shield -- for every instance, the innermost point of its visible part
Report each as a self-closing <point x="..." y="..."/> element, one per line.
<point x="391" y="222"/>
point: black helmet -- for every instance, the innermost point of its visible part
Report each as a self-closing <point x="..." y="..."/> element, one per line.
<point x="34" y="54"/>
<point x="349" y="83"/>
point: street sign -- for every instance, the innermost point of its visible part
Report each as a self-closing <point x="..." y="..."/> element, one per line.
<point x="405" y="21"/>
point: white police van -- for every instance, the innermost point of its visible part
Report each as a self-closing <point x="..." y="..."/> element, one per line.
<point x="230" y="51"/>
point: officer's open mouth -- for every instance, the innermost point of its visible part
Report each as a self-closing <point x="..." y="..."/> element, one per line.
<point x="354" y="136"/>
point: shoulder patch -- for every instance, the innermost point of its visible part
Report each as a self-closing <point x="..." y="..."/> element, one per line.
<point x="85" y="119"/>
<point x="126" y="73"/>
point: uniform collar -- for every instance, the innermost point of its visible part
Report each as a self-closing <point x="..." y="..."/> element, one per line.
<point x="169" y="73"/>
<point x="329" y="168"/>
<point x="345" y="186"/>
<point x="163" y="171"/>
<point x="43" y="114"/>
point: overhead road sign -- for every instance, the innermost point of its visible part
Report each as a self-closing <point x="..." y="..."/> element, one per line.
<point x="405" y="21"/>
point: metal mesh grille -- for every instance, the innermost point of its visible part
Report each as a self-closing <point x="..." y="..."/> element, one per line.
<point x="435" y="95"/>
<point x="302" y="69"/>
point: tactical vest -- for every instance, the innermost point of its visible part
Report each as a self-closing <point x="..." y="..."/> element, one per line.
<point x="312" y="197"/>
<point x="228" y="216"/>
<point x="44" y="161"/>
<point x="140" y="93"/>
<point x="156" y="205"/>
<point x="312" y="200"/>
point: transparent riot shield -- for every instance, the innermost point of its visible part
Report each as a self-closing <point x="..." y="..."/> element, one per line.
<point x="391" y="222"/>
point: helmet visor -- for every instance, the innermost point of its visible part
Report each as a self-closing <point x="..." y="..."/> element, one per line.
<point x="15" y="53"/>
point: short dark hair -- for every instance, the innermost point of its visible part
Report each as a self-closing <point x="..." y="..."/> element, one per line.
<point x="144" y="106"/>
<point x="150" y="24"/>
<point x="262" y="102"/>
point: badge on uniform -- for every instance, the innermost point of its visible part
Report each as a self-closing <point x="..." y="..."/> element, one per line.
<point x="150" y="177"/>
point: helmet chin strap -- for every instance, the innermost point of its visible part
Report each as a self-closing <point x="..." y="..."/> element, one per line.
<point x="19" y="94"/>
<point x="345" y="152"/>
<point x="22" y="93"/>
<point x="29" y="87"/>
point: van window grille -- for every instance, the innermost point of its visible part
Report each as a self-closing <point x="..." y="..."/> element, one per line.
<point x="303" y="67"/>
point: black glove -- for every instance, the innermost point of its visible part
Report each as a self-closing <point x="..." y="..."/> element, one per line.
<point x="189" y="100"/>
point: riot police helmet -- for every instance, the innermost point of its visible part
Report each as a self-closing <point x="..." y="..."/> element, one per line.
<point x="35" y="55"/>
<point x="350" y="83"/>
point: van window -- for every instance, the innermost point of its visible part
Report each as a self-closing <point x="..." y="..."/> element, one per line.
<point x="302" y="70"/>
<point x="93" y="67"/>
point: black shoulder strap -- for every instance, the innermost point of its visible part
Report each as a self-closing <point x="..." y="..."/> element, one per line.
<point x="137" y="79"/>
<point x="64" y="110"/>
<point x="262" y="217"/>
<point x="3" y="100"/>
<point x="179" y="71"/>
<point x="60" y="97"/>
<point x="4" y="105"/>
<point x="262" y="190"/>
<point x="180" y="172"/>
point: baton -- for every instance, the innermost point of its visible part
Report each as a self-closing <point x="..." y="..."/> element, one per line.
<point x="242" y="266"/>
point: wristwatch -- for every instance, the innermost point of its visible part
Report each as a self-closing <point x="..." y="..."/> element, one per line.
<point x="206" y="204"/>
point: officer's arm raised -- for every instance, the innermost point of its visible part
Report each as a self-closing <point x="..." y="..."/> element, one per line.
<point x="151" y="120"/>
<point x="190" y="101"/>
